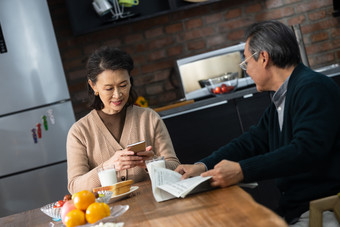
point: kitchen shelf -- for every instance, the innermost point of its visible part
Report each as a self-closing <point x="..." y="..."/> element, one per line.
<point x="84" y="19"/>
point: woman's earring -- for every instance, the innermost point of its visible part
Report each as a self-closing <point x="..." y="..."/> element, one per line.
<point x="96" y="93"/>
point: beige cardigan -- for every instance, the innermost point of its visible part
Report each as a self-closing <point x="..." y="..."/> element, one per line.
<point x="90" y="144"/>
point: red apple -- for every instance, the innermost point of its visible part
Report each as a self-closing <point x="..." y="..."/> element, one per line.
<point x="67" y="207"/>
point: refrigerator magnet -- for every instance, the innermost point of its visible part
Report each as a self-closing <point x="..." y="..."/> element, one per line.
<point x="45" y="122"/>
<point x="34" y="135"/>
<point x="39" y="130"/>
<point x="51" y="116"/>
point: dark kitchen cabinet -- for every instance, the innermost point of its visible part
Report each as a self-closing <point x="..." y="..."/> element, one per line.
<point x="84" y="19"/>
<point x="251" y="107"/>
<point x="195" y="135"/>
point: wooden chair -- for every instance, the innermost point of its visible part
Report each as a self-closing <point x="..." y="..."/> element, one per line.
<point x="317" y="207"/>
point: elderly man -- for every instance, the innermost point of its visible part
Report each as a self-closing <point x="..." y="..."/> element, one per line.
<point x="296" y="141"/>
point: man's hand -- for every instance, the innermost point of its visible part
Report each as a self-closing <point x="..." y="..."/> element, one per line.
<point x="225" y="173"/>
<point x="190" y="170"/>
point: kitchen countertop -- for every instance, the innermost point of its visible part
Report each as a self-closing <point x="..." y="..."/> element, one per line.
<point x="331" y="70"/>
<point x="207" y="102"/>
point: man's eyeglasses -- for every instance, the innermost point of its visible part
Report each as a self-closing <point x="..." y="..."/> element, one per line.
<point x="244" y="64"/>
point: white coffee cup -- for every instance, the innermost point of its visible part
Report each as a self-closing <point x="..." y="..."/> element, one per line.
<point x="107" y="176"/>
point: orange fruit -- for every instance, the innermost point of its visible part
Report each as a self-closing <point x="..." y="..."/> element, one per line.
<point x="74" y="218"/>
<point x="97" y="211"/>
<point x="83" y="199"/>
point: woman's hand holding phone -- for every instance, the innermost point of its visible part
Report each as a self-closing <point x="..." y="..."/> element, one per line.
<point x="126" y="159"/>
<point x="141" y="150"/>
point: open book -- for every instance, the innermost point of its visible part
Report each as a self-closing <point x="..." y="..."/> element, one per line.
<point x="167" y="184"/>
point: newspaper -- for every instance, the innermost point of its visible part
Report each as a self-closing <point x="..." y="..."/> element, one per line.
<point x="167" y="184"/>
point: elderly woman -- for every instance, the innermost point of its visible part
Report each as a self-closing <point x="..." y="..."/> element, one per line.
<point x="100" y="138"/>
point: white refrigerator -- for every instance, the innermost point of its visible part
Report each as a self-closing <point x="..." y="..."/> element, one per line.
<point x="35" y="108"/>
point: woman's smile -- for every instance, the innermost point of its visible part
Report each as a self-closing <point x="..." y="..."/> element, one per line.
<point x="117" y="103"/>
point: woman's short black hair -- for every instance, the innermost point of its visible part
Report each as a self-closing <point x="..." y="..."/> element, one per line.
<point x="108" y="58"/>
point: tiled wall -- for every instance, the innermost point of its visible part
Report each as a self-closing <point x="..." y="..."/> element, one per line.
<point x="156" y="43"/>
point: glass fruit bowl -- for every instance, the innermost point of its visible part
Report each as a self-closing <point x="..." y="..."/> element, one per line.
<point x="223" y="84"/>
<point x="115" y="211"/>
<point x="104" y="196"/>
<point x="54" y="213"/>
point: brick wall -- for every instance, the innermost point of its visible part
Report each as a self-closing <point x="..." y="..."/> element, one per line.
<point x="155" y="44"/>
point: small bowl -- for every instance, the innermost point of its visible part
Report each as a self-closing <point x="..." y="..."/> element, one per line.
<point x="104" y="196"/>
<point x="54" y="213"/>
<point x="223" y="84"/>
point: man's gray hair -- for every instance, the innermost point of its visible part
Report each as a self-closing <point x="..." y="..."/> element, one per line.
<point x="277" y="39"/>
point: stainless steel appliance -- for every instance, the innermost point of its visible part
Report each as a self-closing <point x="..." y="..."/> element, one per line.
<point x="208" y="65"/>
<point x="35" y="108"/>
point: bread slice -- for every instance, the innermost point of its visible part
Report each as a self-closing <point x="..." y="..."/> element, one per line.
<point x="117" y="189"/>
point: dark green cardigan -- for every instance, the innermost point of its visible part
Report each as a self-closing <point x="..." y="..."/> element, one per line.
<point x="305" y="156"/>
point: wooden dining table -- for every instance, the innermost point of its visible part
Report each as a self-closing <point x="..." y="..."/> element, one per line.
<point x="230" y="206"/>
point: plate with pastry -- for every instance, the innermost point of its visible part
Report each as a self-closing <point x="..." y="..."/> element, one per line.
<point x="123" y="195"/>
<point x="120" y="190"/>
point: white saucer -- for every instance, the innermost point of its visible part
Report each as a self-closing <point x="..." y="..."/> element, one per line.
<point x="116" y="197"/>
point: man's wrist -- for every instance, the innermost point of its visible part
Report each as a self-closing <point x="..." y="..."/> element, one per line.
<point x="204" y="167"/>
